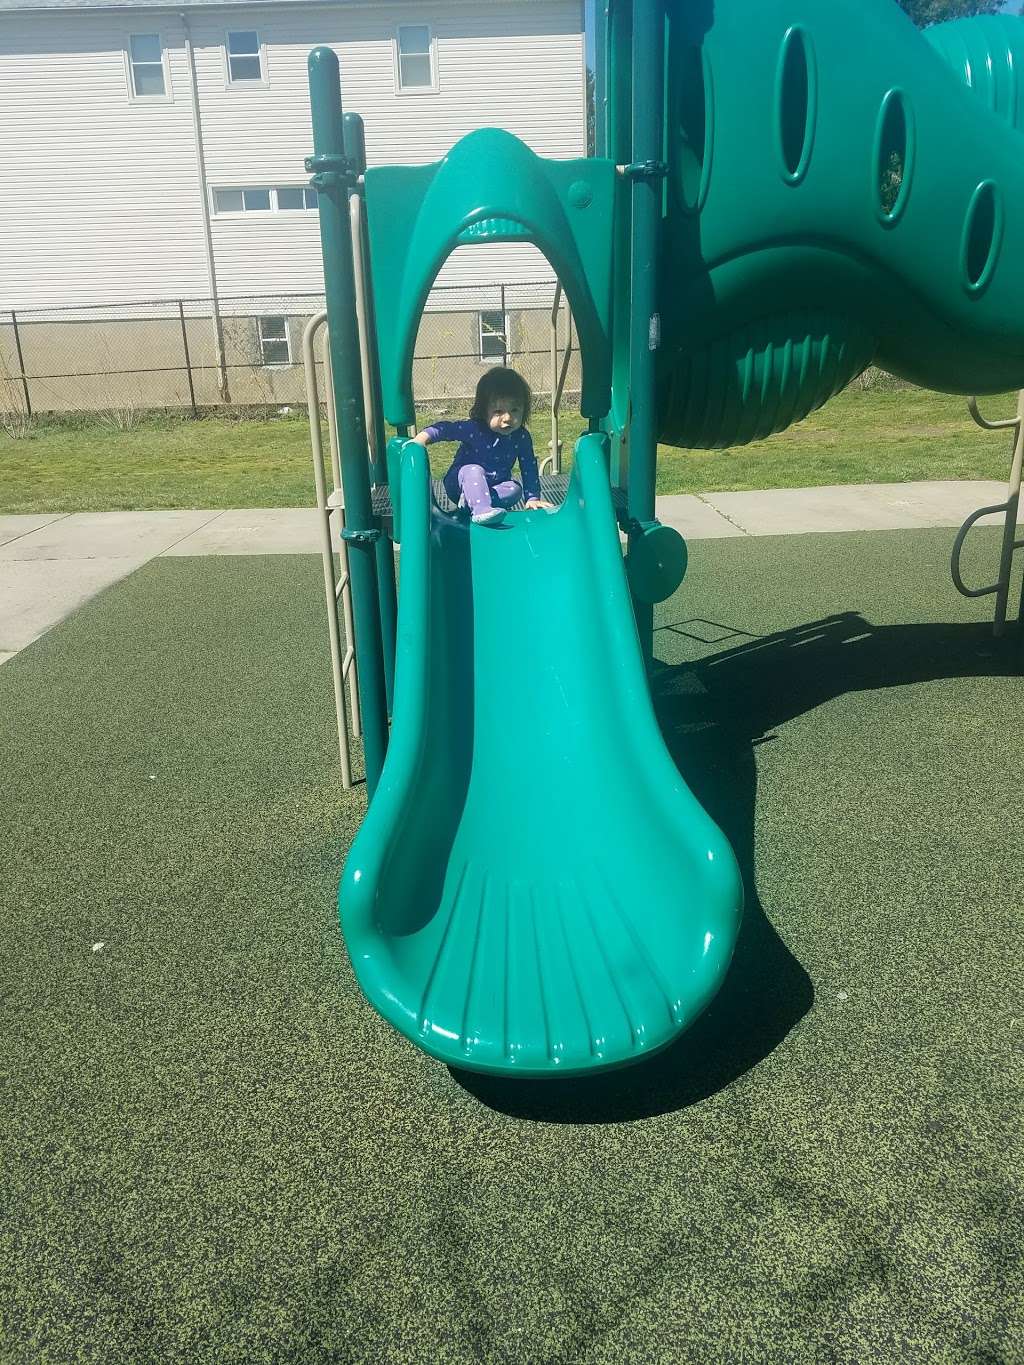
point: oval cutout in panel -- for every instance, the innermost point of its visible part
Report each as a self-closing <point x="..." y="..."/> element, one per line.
<point x="796" y="103"/>
<point x="695" y="128"/>
<point x="982" y="237"/>
<point x="893" y="165"/>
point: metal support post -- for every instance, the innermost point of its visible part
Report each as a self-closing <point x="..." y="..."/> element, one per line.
<point x="188" y="359"/>
<point x="204" y="209"/>
<point x="332" y="177"/>
<point x="644" y="321"/>
<point x="21" y="363"/>
<point x="601" y="22"/>
<point x="355" y="148"/>
<point x="552" y="464"/>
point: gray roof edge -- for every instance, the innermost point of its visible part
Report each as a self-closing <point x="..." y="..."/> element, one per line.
<point x="120" y="6"/>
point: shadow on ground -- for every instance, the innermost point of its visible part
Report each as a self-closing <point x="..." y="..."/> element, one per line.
<point x="715" y="711"/>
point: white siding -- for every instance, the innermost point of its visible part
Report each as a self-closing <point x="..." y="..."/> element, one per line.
<point x="101" y="191"/>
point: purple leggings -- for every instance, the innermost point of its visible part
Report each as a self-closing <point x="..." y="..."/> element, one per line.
<point x="478" y="493"/>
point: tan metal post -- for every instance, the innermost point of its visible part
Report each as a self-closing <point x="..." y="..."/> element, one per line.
<point x="336" y="587"/>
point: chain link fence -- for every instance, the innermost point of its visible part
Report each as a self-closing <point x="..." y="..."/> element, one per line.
<point x="180" y="354"/>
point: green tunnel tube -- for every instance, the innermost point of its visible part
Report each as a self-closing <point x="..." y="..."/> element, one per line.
<point x="835" y="198"/>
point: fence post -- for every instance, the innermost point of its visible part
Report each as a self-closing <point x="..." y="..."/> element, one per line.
<point x="504" y="322"/>
<point x="188" y="359"/>
<point x="21" y="363"/>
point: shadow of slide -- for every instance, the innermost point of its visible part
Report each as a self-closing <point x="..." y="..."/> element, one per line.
<point x="714" y="712"/>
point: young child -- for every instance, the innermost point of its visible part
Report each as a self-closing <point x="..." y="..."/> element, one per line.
<point x="494" y="438"/>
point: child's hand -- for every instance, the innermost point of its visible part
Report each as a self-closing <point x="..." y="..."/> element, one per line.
<point x="534" y="503"/>
<point x="422" y="438"/>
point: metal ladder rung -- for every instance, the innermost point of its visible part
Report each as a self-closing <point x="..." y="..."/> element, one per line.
<point x="336" y="586"/>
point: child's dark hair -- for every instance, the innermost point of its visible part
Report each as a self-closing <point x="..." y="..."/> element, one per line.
<point x="500" y="383"/>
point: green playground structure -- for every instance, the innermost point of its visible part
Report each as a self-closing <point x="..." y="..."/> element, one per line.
<point x="783" y="193"/>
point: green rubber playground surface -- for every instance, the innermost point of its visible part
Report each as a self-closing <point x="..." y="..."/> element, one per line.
<point x="212" y="1150"/>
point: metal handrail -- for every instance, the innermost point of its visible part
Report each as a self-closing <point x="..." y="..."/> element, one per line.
<point x="1002" y="425"/>
<point x="332" y="426"/>
<point x="336" y="585"/>
<point x="552" y="462"/>
<point x="1001" y="587"/>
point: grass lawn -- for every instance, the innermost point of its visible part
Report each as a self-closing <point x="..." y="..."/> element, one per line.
<point x="863" y="436"/>
<point x="214" y="1151"/>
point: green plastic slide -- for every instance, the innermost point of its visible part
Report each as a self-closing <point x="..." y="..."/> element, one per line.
<point x="534" y="890"/>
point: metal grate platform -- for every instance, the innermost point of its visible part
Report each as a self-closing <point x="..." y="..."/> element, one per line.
<point x="553" y="488"/>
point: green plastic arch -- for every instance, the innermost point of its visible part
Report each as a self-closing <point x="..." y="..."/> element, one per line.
<point x="490" y="187"/>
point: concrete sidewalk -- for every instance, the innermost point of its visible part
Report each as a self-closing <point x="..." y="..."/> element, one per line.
<point x="51" y="564"/>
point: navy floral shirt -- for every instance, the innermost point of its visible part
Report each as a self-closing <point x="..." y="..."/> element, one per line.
<point x="495" y="453"/>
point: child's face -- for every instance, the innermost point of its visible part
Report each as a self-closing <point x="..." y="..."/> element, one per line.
<point x="504" y="415"/>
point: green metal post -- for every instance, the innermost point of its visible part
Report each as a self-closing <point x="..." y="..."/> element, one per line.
<point x="617" y="68"/>
<point x="354" y="137"/>
<point x="332" y="178"/>
<point x="601" y="18"/>
<point x="645" y="323"/>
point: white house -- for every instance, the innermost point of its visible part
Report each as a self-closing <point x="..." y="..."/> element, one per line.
<point x="155" y="152"/>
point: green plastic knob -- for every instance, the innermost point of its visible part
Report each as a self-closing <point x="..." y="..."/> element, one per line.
<point x="656" y="562"/>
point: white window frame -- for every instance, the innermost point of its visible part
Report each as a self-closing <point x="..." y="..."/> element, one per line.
<point x="242" y="212"/>
<point x="260" y="339"/>
<point x="396" y="48"/>
<point x="168" y="96"/>
<point x="263" y="214"/>
<point x="275" y="192"/>
<point x="261" y="52"/>
<point x="491" y="359"/>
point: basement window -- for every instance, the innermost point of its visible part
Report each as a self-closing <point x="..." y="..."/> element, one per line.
<point x="275" y="343"/>
<point x="494" y="336"/>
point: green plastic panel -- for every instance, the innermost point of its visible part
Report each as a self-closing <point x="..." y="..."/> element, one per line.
<point x="535" y="890"/>
<point x="836" y="196"/>
<point x="490" y="187"/>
